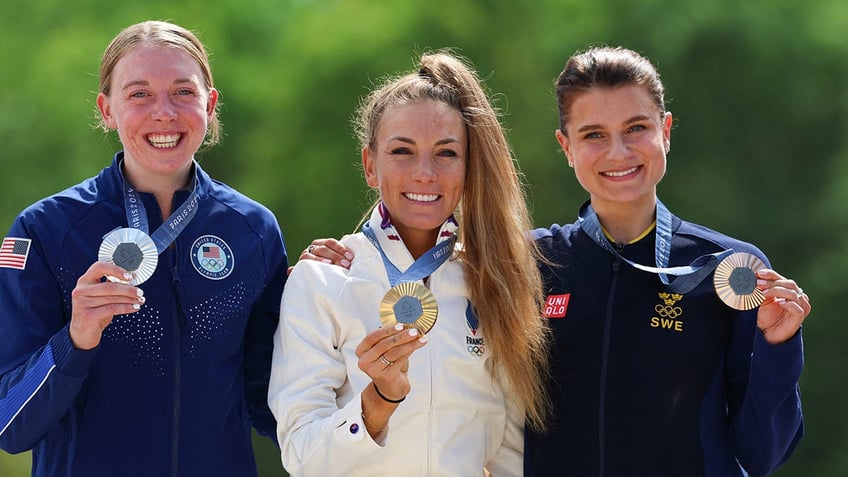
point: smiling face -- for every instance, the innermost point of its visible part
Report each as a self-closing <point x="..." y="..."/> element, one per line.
<point x="617" y="141"/>
<point x="418" y="164"/>
<point x="161" y="108"/>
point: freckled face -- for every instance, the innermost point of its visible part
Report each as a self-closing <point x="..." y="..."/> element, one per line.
<point x="161" y="108"/>
<point x="617" y="141"/>
<point x="418" y="164"/>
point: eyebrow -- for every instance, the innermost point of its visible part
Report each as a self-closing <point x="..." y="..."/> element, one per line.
<point x="147" y="83"/>
<point x="411" y="141"/>
<point x="594" y="127"/>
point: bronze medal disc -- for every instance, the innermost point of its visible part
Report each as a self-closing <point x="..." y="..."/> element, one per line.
<point x="132" y="250"/>
<point x="735" y="281"/>
<point x="410" y="304"/>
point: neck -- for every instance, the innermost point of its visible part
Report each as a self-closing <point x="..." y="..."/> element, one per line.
<point x="419" y="242"/>
<point x="625" y="222"/>
<point x="162" y="186"/>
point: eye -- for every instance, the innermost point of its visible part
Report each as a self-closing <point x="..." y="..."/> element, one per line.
<point x="447" y="153"/>
<point x="400" y="150"/>
<point x="593" y="135"/>
<point x="139" y="94"/>
<point x="637" y="128"/>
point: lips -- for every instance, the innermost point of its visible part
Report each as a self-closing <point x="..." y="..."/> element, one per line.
<point x="164" y="141"/>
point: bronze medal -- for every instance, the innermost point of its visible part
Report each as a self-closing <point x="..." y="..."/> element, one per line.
<point x="735" y="281"/>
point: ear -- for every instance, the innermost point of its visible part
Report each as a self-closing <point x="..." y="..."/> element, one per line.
<point x="564" y="143"/>
<point x="667" y="122"/>
<point x="370" y="168"/>
<point x="210" y="104"/>
<point x="106" y="111"/>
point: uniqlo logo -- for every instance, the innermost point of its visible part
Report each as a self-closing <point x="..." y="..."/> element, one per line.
<point x="556" y="305"/>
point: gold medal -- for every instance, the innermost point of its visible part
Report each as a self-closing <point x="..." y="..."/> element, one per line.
<point x="735" y="281"/>
<point x="410" y="304"/>
<point x="132" y="250"/>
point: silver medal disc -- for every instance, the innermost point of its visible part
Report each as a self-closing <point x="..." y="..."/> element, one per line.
<point x="132" y="250"/>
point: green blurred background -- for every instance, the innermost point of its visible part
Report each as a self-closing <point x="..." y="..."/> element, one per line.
<point x="757" y="89"/>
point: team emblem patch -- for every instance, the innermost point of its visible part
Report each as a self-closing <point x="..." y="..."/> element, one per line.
<point x="212" y="257"/>
<point x="475" y="345"/>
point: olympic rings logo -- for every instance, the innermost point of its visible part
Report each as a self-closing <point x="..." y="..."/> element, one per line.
<point x="212" y="264"/>
<point x="668" y="311"/>
<point x="476" y="350"/>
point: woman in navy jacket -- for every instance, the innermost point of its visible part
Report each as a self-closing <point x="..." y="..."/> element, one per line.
<point x="162" y="368"/>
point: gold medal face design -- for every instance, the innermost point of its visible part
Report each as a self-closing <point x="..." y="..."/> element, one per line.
<point x="410" y="304"/>
<point x="735" y="281"/>
<point x="132" y="250"/>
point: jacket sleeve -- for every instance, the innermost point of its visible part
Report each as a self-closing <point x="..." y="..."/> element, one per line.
<point x="764" y="401"/>
<point x="41" y="373"/>
<point x="259" y="335"/>
<point x="318" y="435"/>
<point x="509" y="459"/>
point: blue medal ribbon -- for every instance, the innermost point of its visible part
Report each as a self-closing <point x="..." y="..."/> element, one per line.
<point x="422" y="268"/>
<point x="688" y="277"/>
<point x="172" y="226"/>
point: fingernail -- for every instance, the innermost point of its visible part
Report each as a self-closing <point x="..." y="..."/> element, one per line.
<point x="398" y="326"/>
<point x="345" y="263"/>
<point x="141" y="299"/>
<point x="136" y="306"/>
<point x="139" y="292"/>
<point x="128" y="275"/>
<point x="762" y="283"/>
<point x="423" y="339"/>
<point x="413" y="332"/>
<point x="326" y="260"/>
<point x="348" y="255"/>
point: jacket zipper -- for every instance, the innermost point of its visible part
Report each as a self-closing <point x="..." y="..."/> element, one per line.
<point x="602" y="395"/>
<point x="179" y="323"/>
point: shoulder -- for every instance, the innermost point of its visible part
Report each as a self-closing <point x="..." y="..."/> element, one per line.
<point x="697" y="233"/>
<point x="257" y="216"/>
<point x="66" y="208"/>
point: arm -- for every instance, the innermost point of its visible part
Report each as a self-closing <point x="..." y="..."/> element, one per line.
<point x="44" y="358"/>
<point x="767" y="422"/>
<point x="258" y="343"/>
<point x="318" y="408"/>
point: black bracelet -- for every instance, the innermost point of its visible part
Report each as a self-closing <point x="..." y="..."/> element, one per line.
<point x="384" y="398"/>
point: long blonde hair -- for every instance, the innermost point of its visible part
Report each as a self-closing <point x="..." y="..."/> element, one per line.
<point x="498" y="256"/>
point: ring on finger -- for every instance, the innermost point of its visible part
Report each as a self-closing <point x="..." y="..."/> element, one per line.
<point x="310" y="248"/>
<point x="386" y="361"/>
<point x="799" y="292"/>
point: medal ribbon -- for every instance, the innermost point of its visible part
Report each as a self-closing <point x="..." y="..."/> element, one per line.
<point x="172" y="226"/>
<point x="688" y="277"/>
<point x="423" y="267"/>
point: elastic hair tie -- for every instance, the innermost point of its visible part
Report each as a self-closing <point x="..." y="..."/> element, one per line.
<point x="384" y="398"/>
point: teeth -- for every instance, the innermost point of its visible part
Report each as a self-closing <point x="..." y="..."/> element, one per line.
<point x="421" y="197"/>
<point x="163" y="141"/>
<point x="621" y="173"/>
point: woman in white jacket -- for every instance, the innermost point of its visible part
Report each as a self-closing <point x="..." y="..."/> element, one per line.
<point x="420" y="395"/>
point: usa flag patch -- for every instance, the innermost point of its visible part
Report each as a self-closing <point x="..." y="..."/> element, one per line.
<point x="557" y="305"/>
<point x="14" y="252"/>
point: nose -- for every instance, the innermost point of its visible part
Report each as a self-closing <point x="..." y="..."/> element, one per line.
<point x="619" y="148"/>
<point x="164" y="109"/>
<point x="425" y="169"/>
